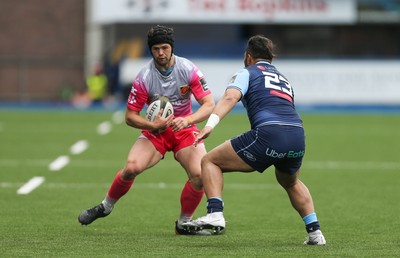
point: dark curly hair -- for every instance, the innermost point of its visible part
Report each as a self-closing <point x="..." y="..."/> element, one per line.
<point x="160" y="34"/>
<point x="260" y="47"/>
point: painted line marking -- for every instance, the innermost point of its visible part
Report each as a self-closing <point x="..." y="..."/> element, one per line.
<point x="159" y="185"/>
<point x="31" y="185"/>
<point x="104" y="128"/>
<point x="118" y="117"/>
<point x="79" y="147"/>
<point x="315" y="165"/>
<point x="351" y="165"/>
<point x="59" y="163"/>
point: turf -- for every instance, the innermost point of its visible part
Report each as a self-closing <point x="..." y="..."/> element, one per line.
<point x="351" y="168"/>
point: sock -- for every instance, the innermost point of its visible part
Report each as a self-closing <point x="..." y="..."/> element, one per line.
<point x="190" y="199"/>
<point x="311" y="222"/>
<point x="215" y="204"/>
<point x="108" y="204"/>
<point x="118" y="188"/>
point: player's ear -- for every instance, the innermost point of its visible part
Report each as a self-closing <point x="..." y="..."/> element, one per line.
<point x="248" y="59"/>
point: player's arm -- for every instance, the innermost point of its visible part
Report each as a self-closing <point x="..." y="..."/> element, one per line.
<point x="201" y="92"/>
<point x="223" y="107"/>
<point x="227" y="102"/>
<point x="237" y="88"/>
<point x="136" y="100"/>
<point x="206" y="106"/>
<point x="134" y="119"/>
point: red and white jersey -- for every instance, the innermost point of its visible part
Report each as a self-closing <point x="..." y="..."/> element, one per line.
<point x="185" y="79"/>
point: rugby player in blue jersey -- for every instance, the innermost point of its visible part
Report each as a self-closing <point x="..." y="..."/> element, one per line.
<point x="276" y="138"/>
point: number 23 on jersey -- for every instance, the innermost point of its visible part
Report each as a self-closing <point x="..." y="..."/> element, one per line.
<point x="279" y="86"/>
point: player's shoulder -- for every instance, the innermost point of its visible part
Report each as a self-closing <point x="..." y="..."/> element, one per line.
<point x="180" y="59"/>
<point x="182" y="62"/>
<point x="243" y="72"/>
<point x="145" y="71"/>
<point x="262" y="66"/>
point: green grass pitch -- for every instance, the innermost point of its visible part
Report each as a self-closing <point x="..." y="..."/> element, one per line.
<point x="351" y="167"/>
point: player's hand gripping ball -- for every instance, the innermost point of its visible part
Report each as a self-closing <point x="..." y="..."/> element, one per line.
<point x="154" y="108"/>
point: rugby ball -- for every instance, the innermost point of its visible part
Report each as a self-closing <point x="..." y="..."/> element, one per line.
<point x="154" y="108"/>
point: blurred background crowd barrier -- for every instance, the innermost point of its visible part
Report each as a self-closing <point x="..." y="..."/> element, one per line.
<point x="339" y="52"/>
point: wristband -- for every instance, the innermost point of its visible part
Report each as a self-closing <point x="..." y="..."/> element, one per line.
<point x="213" y="120"/>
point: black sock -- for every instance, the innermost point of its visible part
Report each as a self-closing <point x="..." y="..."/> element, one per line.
<point x="314" y="226"/>
<point x="215" y="205"/>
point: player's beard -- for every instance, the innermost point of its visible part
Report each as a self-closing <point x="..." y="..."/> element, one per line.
<point x="164" y="63"/>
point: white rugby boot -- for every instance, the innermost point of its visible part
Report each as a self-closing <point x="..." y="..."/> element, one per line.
<point x="213" y="221"/>
<point x="315" y="238"/>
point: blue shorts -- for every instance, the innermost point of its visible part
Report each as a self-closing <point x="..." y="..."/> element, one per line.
<point x="280" y="145"/>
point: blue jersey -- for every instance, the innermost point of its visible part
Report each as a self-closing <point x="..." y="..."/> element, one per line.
<point x="267" y="95"/>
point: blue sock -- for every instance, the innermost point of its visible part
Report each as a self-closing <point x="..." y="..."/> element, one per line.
<point x="311" y="222"/>
<point x="215" y="204"/>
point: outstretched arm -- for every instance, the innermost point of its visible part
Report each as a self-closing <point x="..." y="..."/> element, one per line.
<point x="223" y="107"/>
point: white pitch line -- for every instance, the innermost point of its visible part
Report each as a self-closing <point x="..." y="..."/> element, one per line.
<point x="59" y="163"/>
<point x="317" y="165"/>
<point x="104" y="128"/>
<point x="118" y="117"/>
<point x="159" y="185"/>
<point x="31" y="185"/>
<point x="352" y="165"/>
<point x="79" y="147"/>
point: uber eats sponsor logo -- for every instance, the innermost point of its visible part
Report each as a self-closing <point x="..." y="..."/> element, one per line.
<point x="290" y="154"/>
<point x="295" y="154"/>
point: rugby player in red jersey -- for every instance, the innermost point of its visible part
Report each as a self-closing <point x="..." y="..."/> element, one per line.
<point x="178" y="79"/>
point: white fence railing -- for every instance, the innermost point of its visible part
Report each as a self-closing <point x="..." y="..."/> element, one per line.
<point x="314" y="81"/>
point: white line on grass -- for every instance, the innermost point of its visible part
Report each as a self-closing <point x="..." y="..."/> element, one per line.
<point x="118" y="117"/>
<point x="104" y="128"/>
<point x="59" y="163"/>
<point x="62" y="161"/>
<point x="160" y="186"/>
<point x="352" y="165"/>
<point x="317" y="165"/>
<point x="31" y="185"/>
<point x="79" y="147"/>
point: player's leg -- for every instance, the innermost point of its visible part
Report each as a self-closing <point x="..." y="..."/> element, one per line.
<point x="142" y="155"/>
<point x="219" y="160"/>
<point x="302" y="202"/>
<point x="192" y="193"/>
<point x="190" y="159"/>
<point x="299" y="194"/>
